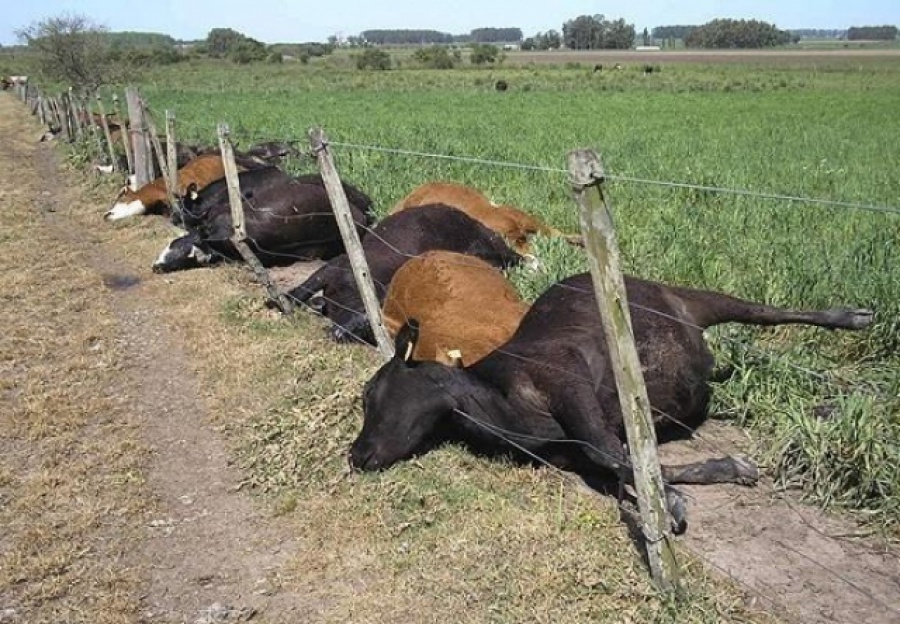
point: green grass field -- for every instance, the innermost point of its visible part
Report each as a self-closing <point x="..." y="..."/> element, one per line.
<point x="826" y="132"/>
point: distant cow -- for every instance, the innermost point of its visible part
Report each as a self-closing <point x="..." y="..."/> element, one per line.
<point x="271" y="152"/>
<point x="393" y="241"/>
<point x="598" y="68"/>
<point x="648" y="69"/>
<point x="501" y="85"/>
<point x="286" y="219"/>
<point x="515" y="226"/>
<point x="465" y="307"/>
<point x="553" y="381"/>
<point x="152" y="198"/>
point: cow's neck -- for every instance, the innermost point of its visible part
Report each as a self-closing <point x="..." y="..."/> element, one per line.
<point x="479" y="407"/>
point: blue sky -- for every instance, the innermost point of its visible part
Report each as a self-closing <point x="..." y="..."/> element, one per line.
<point x="291" y="21"/>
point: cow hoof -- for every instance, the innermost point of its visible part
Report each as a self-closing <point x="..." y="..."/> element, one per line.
<point x="858" y="319"/>
<point x="745" y="471"/>
<point x="677" y="511"/>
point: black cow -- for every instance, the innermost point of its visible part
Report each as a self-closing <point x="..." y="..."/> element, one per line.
<point x="270" y="152"/>
<point x="392" y="242"/>
<point x="553" y="381"/>
<point x="286" y="219"/>
<point x="501" y="85"/>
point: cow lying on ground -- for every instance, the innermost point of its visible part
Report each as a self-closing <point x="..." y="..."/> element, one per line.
<point x="465" y="307"/>
<point x="553" y="381"/>
<point x="387" y="246"/>
<point x="286" y="219"/>
<point x="515" y="226"/>
<point x="152" y="198"/>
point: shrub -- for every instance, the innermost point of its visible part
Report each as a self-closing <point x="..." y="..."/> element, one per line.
<point x="483" y="53"/>
<point x="437" y="57"/>
<point x="373" y="58"/>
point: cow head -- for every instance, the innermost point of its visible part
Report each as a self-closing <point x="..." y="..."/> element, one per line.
<point x="187" y="252"/>
<point x="127" y="204"/>
<point x="403" y="408"/>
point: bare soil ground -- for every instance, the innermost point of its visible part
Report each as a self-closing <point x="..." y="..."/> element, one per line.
<point x="136" y="411"/>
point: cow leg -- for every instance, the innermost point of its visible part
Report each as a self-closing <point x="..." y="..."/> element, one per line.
<point x="721" y="470"/>
<point x="581" y="416"/>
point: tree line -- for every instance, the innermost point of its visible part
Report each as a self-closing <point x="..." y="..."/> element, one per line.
<point x="399" y="36"/>
<point x="872" y="33"/>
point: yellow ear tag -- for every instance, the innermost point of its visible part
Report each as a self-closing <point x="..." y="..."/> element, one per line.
<point x="455" y="356"/>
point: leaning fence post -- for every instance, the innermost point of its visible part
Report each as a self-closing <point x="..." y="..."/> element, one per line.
<point x="239" y="236"/>
<point x="123" y="132"/>
<point x="319" y="143"/>
<point x="137" y="132"/>
<point x="609" y="287"/>
<point x="67" y="116"/>
<point x="76" y="114"/>
<point x="172" y="161"/>
<point x="161" y="161"/>
<point x="104" y="122"/>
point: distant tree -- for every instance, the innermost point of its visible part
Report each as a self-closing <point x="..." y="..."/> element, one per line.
<point x="595" y="32"/>
<point x="483" y="53"/>
<point x="437" y="57"/>
<point x="671" y="32"/>
<point x="400" y="37"/>
<point x="729" y="33"/>
<point x="373" y="58"/>
<point x="247" y="51"/>
<point x="222" y="42"/>
<point x="496" y="35"/>
<point x="646" y="37"/>
<point x="872" y="33"/>
<point x="70" y="48"/>
<point x="276" y="58"/>
<point x="550" y="40"/>
<point x="818" y="33"/>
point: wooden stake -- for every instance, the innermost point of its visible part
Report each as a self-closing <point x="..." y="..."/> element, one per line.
<point x="143" y="169"/>
<point x="106" y="133"/>
<point x="358" y="263"/>
<point x="239" y="236"/>
<point x="171" y="190"/>
<point x="172" y="160"/>
<point x="124" y="132"/>
<point x="609" y="286"/>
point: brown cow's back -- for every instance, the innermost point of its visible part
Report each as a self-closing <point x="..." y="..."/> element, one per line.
<point x="510" y="222"/>
<point x="461" y="302"/>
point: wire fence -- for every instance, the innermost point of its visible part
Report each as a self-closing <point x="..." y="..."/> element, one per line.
<point x="516" y="439"/>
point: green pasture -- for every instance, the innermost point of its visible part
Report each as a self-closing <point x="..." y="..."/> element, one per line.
<point x="824" y="406"/>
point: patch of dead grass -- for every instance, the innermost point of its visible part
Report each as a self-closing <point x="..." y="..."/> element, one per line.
<point x="64" y="438"/>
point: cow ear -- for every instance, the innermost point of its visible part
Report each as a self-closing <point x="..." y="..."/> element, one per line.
<point x="406" y="341"/>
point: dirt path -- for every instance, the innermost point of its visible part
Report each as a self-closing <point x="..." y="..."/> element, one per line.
<point x="793" y="557"/>
<point x="198" y="540"/>
<point x="207" y="551"/>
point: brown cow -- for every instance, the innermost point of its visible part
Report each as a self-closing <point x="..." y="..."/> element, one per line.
<point x="152" y="197"/>
<point x="466" y="308"/>
<point x="516" y="226"/>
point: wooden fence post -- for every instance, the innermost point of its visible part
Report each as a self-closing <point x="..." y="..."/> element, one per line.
<point x="161" y="158"/>
<point x="65" y="114"/>
<point x="358" y="263"/>
<point x="143" y="169"/>
<point x="76" y="114"/>
<point x="123" y="131"/>
<point x="586" y="174"/>
<point x="239" y="236"/>
<point x="106" y="133"/>
<point x="172" y="161"/>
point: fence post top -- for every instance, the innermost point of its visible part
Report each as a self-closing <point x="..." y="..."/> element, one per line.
<point x="222" y="129"/>
<point x="585" y="168"/>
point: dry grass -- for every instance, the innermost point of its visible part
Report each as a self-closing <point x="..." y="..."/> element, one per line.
<point x="449" y="536"/>
<point x="70" y="467"/>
